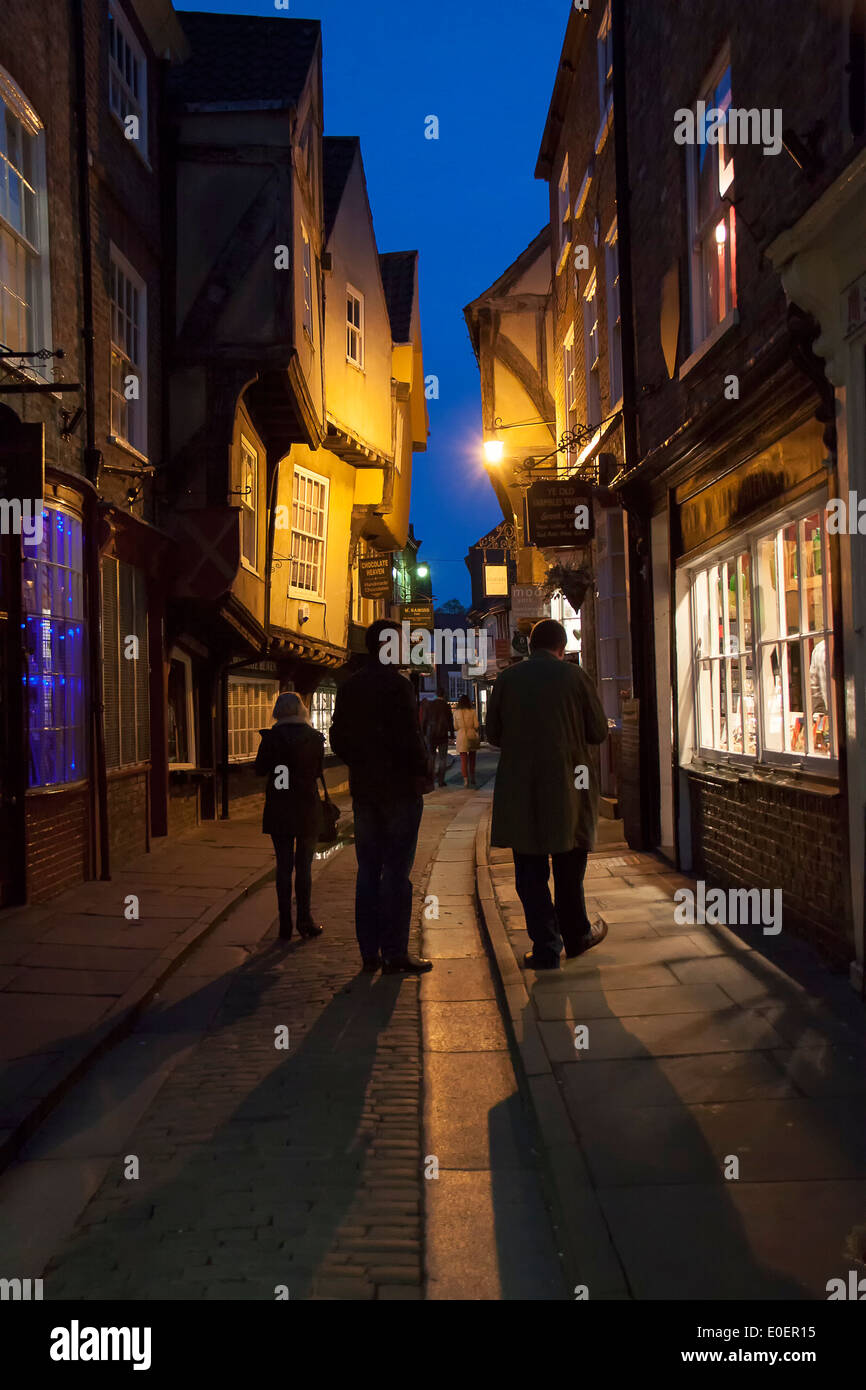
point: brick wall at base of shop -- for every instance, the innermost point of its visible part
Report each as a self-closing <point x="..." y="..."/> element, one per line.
<point x="127" y="816"/>
<point x="183" y="813"/>
<point x="749" y="835"/>
<point x="57" y="843"/>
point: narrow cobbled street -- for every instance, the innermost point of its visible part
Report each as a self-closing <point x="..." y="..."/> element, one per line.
<point x="231" y="1166"/>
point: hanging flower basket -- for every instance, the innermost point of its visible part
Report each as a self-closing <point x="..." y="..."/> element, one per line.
<point x="572" y="581"/>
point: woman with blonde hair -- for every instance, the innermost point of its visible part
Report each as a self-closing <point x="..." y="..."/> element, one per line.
<point x="468" y="738"/>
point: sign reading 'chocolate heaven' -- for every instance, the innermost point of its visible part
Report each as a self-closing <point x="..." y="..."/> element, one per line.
<point x="559" y="513"/>
<point x="375" y="571"/>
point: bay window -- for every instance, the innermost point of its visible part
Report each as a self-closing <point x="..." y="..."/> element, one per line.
<point x="55" y="650"/>
<point x="24" y="270"/>
<point x="763" y="646"/>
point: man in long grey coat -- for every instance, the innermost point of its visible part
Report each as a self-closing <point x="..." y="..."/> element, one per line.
<point x="544" y="714"/>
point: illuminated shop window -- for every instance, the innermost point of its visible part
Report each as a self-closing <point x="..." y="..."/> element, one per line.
<point x="763" y="647"/>
<point x="55" y="651"/>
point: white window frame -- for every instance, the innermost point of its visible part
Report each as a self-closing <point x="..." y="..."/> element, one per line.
<point x="399" y="436"/>
<point x="139" y="626"/>
<point x="119" y="265"/>
<point x="563" y="216"/>
<point x="720" y="222"/>
<point x="604" y="63"/>
<point x="295" y="590"/>
<point x="177" y="655"/>
<point x="614" y="320"/>
<point x="122" y="100"/>
<point x="249" y="452"/>
<point x="307" y="263"/>
<point x="258" y="702"/>
<point x="569" y="390"/>
<point x="760" y="642"/>
<point x="355" y="331"/>
<point x="592" y="351"/>
<point x="37" y="313"/>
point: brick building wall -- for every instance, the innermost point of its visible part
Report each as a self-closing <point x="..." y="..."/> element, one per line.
<point x="183" y="807"/>
<point x="57" y="842"/>
<point x="577" y="141"/>
<point x="36" y="49"/>
<point x="745" y="833"/>
<point x="127" y="815"/>
<point x="670" y="49"/>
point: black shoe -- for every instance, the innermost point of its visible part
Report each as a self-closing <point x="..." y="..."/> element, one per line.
<point x="532" y="964"/>
<point x="370" y="965"/>
<point x="285" y="930"/>
<point x="407" y="965"/>
<point x="310" y="929"/>
<point x="597" y="933"/>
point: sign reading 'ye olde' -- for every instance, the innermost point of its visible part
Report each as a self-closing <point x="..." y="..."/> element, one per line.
<point x="559" y="513"/>
<point x="375" y="571"/>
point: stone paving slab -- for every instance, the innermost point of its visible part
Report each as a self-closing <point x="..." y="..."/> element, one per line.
<point x="625" y="1084"/>
<point x="661" y="1035"/>
<point x="756" y="1241"/>
<point x="464" y="1264"/>
<point x="82" y="972"/>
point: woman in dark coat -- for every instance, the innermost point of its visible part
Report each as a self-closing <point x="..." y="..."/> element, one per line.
<point x="291" y="757"/>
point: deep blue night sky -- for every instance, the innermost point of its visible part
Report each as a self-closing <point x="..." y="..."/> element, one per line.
<point x="469" y="201"/>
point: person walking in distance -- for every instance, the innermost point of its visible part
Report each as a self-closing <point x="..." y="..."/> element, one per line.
<point x="291" y="757"/>
<point x="544" y="714"/>
<point x="468" y="739"/>
<point x="437" y="724"/>
<point x="375" y="732"/>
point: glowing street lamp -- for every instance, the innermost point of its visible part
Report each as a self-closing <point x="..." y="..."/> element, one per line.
<point x="493" y="450"/>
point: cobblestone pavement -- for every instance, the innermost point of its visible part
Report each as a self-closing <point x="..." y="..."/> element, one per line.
<point x="260" y="1167"/>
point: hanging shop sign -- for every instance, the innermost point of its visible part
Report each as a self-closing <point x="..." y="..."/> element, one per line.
<point x="559" y="514"/>
<point x="375" y="574"/>
<point x="529" y="603"/>
<point x="417" y="614"/>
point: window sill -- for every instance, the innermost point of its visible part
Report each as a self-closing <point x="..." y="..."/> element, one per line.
<point x="728" y="322"/>
<point x="250" y="569"/>
<point x="141" y="153"/>
<point x="604" y="128"/>
<point x="304" y="597"/>
<point x="350" y="362"/>
<point x="128" y="449"/>
<point x="58" y="788"/>
<point x="809" y="780"/>
<point x="584" y="189"/>
<point x="563" y="256"/>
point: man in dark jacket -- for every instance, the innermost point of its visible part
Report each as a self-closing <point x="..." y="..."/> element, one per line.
<point x="437" y="724"/>
<point x="544" y="714"/>
<point x="375" y="732"/>
<point x="290" y="756"/>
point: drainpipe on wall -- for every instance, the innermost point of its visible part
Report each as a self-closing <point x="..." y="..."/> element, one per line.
<point x="639" y="528"/>
<point x="92" y="455"/>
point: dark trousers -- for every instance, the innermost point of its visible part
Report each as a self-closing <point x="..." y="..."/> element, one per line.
<point x="386" y="836"/>
<point x="552" y="926"/>
<point x="439" y="754"/>
<point x="294" y="859"/>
